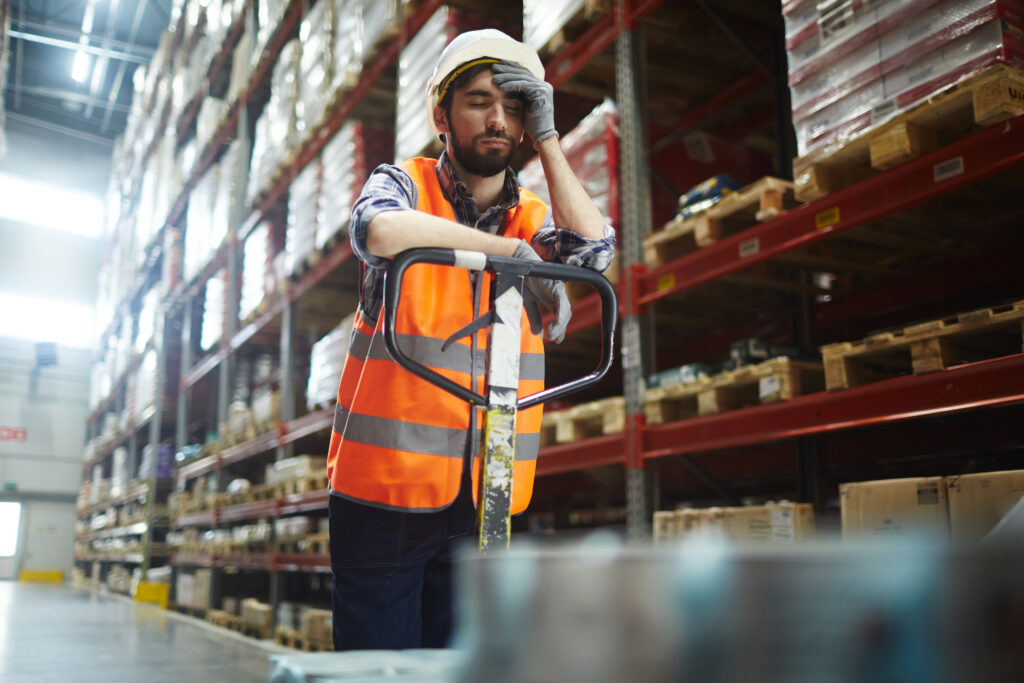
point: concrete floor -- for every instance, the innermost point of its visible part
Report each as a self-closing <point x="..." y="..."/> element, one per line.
<point x="56" y="633"/>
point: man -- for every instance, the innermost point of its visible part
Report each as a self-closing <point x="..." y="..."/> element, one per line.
<point x="403" y="453"/>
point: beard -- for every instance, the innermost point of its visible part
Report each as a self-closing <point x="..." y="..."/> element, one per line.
<point x="485" y="164"/>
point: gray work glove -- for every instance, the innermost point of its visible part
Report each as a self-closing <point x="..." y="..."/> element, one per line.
<point x="551" y="293"/>
<point x="538" y="95"/>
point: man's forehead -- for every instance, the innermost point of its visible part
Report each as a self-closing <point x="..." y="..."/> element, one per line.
<point x="482" y="84"/>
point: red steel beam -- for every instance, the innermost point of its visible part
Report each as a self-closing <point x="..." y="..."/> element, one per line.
<point x="984" y="154"/>
<point x="595" y="40"/>
<point x="967" y="387"/>
<point x="604" y="450"/>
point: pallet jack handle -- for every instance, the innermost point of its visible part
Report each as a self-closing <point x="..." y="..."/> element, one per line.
<point x="474" y="260"/>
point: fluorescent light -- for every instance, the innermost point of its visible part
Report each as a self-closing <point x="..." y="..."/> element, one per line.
<point x="80" y="67"/>
<point x="66" y="323"/>
<point x="50" y="206"/>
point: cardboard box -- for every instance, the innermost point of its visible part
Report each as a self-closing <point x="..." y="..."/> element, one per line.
<point x="978" y="501"/>
<point x="201" y="584"/>
<point x="784" y="523"/>
<point x="317" y="625"/>
<point x="895" y="507"/>
<point x="257" y="615"/>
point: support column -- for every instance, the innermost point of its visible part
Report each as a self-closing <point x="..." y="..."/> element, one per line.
<point x="181" y="414"/>
<point x="287" y="401"/>
<point x="634" y="191"/>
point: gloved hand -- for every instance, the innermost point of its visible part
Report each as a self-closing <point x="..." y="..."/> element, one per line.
<point x="551" y="293"/>
<point x="539" y="112"/>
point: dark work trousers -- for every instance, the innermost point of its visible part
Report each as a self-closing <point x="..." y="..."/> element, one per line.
<point x="393" y="573"/>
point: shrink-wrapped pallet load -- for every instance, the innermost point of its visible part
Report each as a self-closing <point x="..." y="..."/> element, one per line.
<point x="214" y="311"/>
<point x="303" y="209"/>
<point x="255" y="260"/>
<point x="542" y="19"/>
<point x="326" y="359"/>
<point x="316" y="66"/>
<point x="853" y="65"/>
<point x="276" y="136"/>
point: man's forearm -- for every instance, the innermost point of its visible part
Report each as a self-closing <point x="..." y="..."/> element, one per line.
<point x="392" y="232"/>
<point x="571" y="206"/>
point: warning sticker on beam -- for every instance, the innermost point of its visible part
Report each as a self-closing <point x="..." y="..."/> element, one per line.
<point x="827" y="218"/>
<point x="948" y="169"/>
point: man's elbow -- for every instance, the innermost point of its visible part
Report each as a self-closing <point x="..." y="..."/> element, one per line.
<point x="380" y="236"/>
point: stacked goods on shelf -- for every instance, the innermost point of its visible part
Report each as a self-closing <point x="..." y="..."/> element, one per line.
<point x="255" y="264"/>
<point x="295" y="475"/>
<point x="202" y="235"/>
<point x="266" y="408"/>
<point x="317" y="625"/>
<point x="592" y="149"/>
<point x="543" y="19"/>
<point x="148" y="321"/>
<point x="857" y="65"/>
<point x="777" y="523"/>
<point x="303" y="209"/>
<point x="415" y="64"/>
<point x="257" y="617"/>
<point x="211" y="112"/>
<point x="158" y="465"/>
<point x="347" y="160"/>
<point x="276" y="136"/>
<point x="326" y="359"/>
<point x="5" y="38"/>
<point x="962" y="508"/>
<point x="144" y="395"/>
<point x="316" y="66"/>
<point x="119" y="579"/>
<point x="214" y="311"/>
<point x="268" y="16"/>
<point x="119" y="472"/>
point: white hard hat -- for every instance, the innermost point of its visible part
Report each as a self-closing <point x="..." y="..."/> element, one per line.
<point x="471" y="47"/>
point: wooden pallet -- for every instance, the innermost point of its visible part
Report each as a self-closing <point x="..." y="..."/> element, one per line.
<point x="778" y="379"/>
<point x="982" y="100"/>
<point x="757" y="202"/>
<point x="313" y="482"/>
<point x="926" y="347"/>
<point x="260" y="492"/>
<point x="310" y="544"/>
<point x="588" y="13"/>
<point x="224" y="619"/>
<point x="586" y="420"/>
<point x="291" y="638"/>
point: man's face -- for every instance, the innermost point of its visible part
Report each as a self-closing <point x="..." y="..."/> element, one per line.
<point x="485" y="127"/>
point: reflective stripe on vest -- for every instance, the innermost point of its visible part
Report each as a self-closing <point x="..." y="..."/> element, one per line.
<point x="398" y="441"/>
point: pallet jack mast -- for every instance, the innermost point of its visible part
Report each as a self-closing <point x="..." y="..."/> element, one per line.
<point x="501" y="402"/>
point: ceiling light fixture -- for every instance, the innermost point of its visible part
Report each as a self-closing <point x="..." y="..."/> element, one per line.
<point x="80" y="67"/>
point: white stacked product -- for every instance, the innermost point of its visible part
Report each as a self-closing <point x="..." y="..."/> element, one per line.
<point x="255" y="258"/>
<point x="227" y="193"/>
<point x="5" y="34"/>
<point x="145" y="386"/>
<point x="855" y="65"/>
<point x="214" y="311"/>
<point x="242" y="62"/>
<point x="303" y="208"/>
<point x="202" y="236"/>
<point x="416" y="63"/>
<point x="362" y="24"/>
<point x="211" y="112"/>
<point x="119" y="472"/>
<point x="348" y="159"/>
<point x="316" y="34"/>
<point x="268" y="16"/>
<point x="592" y="151"/>
<point x="326" y="360"/>
<point x="148" y="321"/>
<point x="542" y="19"/>
<point x="276" y="137"/>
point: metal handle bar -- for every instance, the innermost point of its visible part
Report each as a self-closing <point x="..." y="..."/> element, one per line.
<point x="474" y="260"/>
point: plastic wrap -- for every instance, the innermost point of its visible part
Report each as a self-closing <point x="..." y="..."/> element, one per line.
<point x="911" y="82"/>
<point x="326" y="359"/>
<point x="199" y="234"/>
<point x="542" y="19"/>
<point x="212" y="112"/>
<point x="412" y="129"/>
<point x="276" y="136"/>
<point x="255" y="258"/>
<point x="863" y="65"/>
<point x="316" y="65"/>
<point x="592" y="151"/>
<point x="303" y="208"/>
<point x="348" y="159"/>
<point x="214" y="311"/>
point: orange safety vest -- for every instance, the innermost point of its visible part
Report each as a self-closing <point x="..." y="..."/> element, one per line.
<point x="398" y="441"/>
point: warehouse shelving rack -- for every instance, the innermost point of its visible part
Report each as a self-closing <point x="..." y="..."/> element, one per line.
<point x="641" y="448"/>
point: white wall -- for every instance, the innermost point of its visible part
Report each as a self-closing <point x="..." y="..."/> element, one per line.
<point x="50" y="404"/>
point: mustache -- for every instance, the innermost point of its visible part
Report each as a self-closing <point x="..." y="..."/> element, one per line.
<point x="493" y="134"/>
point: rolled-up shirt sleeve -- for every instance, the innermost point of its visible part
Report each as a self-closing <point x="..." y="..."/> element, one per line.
<point x="389" y="188"/>
<point x="569" y="247"/>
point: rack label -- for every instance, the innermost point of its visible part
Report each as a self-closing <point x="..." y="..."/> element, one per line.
<point x="666" y="281"/>
<point x="19" y="434"/>
<point x="750" y="247"/>
<point x="827" y="218"/>
<point x="948" y="169"/>
<point x="769" y="386"/>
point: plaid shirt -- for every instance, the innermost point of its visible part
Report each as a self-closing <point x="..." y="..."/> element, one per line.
<point x="390" y="188"/>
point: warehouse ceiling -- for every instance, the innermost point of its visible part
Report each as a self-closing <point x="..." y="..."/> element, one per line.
<point x="72" y="62"/>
